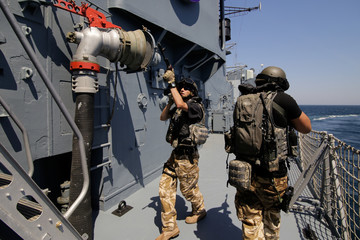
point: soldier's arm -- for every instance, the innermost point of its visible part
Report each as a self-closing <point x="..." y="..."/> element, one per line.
<point x="165" y="113"/>
<point x="302" y="123"/>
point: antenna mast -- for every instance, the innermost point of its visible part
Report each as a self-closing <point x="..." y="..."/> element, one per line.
<point x="238" y="11"/>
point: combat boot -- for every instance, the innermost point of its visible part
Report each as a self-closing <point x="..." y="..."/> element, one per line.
<point x="194" y="218"/>
<point x="169" y="234"/>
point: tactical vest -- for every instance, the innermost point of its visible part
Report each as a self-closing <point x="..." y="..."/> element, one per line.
<point x="255" y="137"/>
<point x="178" y="132"/>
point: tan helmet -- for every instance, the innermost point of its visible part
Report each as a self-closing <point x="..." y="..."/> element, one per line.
<point x="274" y="72"/>
<point x="274" y="75"/>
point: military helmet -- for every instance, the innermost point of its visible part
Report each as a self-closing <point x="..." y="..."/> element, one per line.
<point x="188" y="84"/>
<point x="272" y="75"/>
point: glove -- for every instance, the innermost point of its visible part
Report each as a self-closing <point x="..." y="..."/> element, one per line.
<point x="169" y="76"/>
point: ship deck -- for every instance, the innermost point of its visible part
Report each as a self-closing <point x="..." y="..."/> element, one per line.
<point x="143" y="221"/>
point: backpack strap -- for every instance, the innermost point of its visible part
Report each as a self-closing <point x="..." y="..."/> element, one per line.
<point x="267" y="114"/>
<point x="280" y="110"/>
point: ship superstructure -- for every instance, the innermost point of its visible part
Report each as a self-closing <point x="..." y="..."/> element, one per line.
<point x="84" y="82"/>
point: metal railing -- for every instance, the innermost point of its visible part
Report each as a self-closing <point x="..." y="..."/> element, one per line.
<point x="335" y="180"/>
<point x="27" y="47"/>
<point x="25" y="136"/>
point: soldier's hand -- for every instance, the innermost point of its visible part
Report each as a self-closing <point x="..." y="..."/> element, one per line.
<point x="169" y="76"/>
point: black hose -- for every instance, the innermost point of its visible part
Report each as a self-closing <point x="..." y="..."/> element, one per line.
<point x="81" y="219"/>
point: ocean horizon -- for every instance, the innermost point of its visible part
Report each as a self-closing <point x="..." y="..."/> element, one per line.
<point x="343" y="121"/>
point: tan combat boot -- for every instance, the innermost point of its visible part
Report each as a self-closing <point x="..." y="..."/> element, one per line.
<point x="194" y="218"/>
<point x="169" y="234"/>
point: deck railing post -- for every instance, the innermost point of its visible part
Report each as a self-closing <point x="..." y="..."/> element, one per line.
<point x="325" y="193"/>
<point x="339" y="195"/>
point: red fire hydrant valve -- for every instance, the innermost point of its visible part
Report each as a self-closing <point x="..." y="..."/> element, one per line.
<point x="84" y="66"/>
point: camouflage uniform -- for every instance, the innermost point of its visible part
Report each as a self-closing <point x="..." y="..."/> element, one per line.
<point x="258" y="208"/>
<point x="182" y="165"/>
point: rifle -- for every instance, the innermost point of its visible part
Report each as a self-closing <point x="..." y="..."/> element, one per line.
<point x="167" y="62"/>
<point x="168" y="67"/>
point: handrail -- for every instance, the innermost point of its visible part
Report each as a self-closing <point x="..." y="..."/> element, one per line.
<point x="11" y="19"/>
<point x="308" y="173"/>
<point x="25" y="136"/>
<point x="335" y="181"/>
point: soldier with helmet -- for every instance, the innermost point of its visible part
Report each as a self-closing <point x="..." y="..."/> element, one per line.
<point x="258" y="207"/>
<point x="182" y="165"/>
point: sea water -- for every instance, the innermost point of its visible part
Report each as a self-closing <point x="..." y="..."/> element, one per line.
<point x="342" y="121"/>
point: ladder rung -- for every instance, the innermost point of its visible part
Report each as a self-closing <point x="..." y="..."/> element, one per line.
<point x="5" y="179"/>
<point x="101" y="164"/>
<point x="102" y="126"/>
<point x="29" y="209"/>
<point x="101" y="145"/>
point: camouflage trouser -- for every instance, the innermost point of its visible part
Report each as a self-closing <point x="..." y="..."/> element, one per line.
<point x="187" y="171"/>
<point x="258" y="208"/>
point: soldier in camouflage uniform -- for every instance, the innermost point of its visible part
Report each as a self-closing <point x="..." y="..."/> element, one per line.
<point x="182" y="165"/>
<point x="259" y="206"/>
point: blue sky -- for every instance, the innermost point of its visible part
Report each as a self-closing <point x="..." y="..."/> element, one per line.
<point x="317" y="43"/>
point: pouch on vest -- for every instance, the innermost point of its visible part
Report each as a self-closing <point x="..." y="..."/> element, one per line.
<point x="270" y="160"/>
<point x="198" y="132"/>
<point x="169" y="135"/>
<point x="239" y="174"/>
